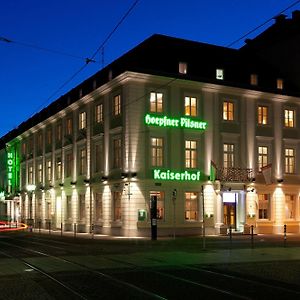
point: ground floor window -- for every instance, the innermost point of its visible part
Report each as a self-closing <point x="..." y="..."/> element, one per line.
<point x="160" y="203"/>
<point x="290" y="206"/>
<point x="191" y="206"/>
<point x="263" y="206"/>
<point x="81" y="207"/>
<point x="68" y="207"/>
<point x="98" y="206"/>
<point x="117" y="209"/>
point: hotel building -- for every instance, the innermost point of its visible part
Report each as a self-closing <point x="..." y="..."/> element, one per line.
<point x="210" y="133"/>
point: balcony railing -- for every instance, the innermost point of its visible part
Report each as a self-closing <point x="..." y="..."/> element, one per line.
<point x="234" y="174"/>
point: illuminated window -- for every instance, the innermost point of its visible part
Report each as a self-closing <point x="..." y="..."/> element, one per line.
<point x="24" y="149"/>
<point x="253" y="79"/>
<point x="279" y="83"/>
<point x="69" y="126"/>
<point x="190" y="106"/>
<point x="182" y="68"/>
<point x="289" y="157"/>
<point x="82" y="120"/>
<point x="191" y="206"/>
<point x="98" y="207"/>
<point x="58" y="168"/>
<point x="117" y="209"/>
<point x="263" y="206"/>
<point x="30" y="175"/>
<point x="82" y="161"/>
<point x="156" y="152"/>
<point x="98" y="158"/>
<point x="117" y="153"/>
<point x="262" y="157"/>
<point x="156" y="102"/>
<point x="190" y="154"/>
<point x="160" y="204"/>
<point x="117" y="106"/>
<point x="68" y="207"/>
<point x="290" y="202"/>
<point x="68" y="164"/>
<point x="262" y="115"/>
<point x="228" y="111"/>
<point x="228" y="155"/>
<point x="58" y="132"/>
<point x="49" y="170"/>
<point x="39" y="172"/>
<point x="219" y="74"/>
<point x="81" y="207"/>
<point x="99" y="113"/>
<point x="289" y="118"/>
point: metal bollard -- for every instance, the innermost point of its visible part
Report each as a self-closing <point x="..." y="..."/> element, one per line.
<point x="49" y="227"/>
<point x="284" y="235"/>
<point x="230" y="235"/>
<point x="74" y="230"/>
<point x="252" y="240"/>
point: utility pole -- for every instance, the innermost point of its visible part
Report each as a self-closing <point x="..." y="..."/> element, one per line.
<point x="203" y="219"/>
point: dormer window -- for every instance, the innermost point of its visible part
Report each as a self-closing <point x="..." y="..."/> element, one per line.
<point x="253" y="79"/>
<point x="220" y="74"/>
<point x="279" y="83"/>
<point x="182" y="68"/>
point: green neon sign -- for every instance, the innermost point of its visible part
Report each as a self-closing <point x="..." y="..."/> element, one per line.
<point x="159" y="174"/>
<point x="10" y="170"/>
<point x="183" y="122"/>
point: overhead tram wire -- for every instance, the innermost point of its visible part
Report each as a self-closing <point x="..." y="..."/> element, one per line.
<point x="263" y="24"/>
<point x="91" y="59"/>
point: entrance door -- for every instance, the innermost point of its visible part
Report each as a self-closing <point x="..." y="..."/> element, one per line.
<point x="230" y="214"/>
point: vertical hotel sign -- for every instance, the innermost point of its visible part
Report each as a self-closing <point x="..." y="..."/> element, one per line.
<point x="10" y="169"/>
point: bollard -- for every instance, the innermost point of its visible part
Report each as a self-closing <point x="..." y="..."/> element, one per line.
<point x="252" y="228"/>
<point x="49" y="227"/>
<point x="39" y="224"/>
<point x="61" y="229"/>
<point x="92" y="230"/>
<point x="230" y="235"/>
<point x="284" y="235"/>
<point x="74" y="230"/>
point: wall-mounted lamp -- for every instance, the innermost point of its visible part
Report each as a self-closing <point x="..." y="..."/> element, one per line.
<point x="104" y="178"/>
<point x="86" y="182"/>
<point x="280" y="180"/>
<point x="73" y="184"/>
<point x="253" y="179"/>
<point x="124" y="175"/>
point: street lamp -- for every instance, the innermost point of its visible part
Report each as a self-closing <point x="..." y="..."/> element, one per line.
<point x="30" y="188"/>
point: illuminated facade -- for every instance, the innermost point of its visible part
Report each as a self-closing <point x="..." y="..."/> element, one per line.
<point x="207" y="130"/>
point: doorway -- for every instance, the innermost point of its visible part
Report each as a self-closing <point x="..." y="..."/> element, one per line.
<point x="230" y="214"/>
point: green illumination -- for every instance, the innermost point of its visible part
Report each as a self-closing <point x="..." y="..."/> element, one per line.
<point x="12" y="167"/>
<point x="159" y="174"/>
<point x="183" y="122"/>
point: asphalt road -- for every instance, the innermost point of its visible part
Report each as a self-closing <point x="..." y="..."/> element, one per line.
<point x="41" y="266"/>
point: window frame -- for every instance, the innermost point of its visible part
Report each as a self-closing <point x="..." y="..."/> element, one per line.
<point x="156" y="105"/>
<point x="191" y="154"/>
<point x="157" y="151"/>
<point x="228" y="110"/>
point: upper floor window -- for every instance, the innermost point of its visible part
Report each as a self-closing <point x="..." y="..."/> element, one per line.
<point x="82" y="120"/>
<point x="49" y="136"/>
<point x="82" y="161"/>
<point x="228" y="155"/>
<point x="219" y="74"/>
<point x="190" y="154"/>
<point x="279" y="84"/>
<point x="68" y="164"/>
<point x="262" y="157"/>
<point x="39" y="172"/>
<point x="58" y="168"/>
<point x="40" y="141"/>
<point x="228" y="111"/>
<point x="190" y="106"/>
<point x="69" y="126"/>
<point x="58" y="132"/>
<point x="30" y="175"/>
<point x="23" y="151"/>
<point x="99" y="113"/>
<point x="156" y="152"/>
<point x="289" y="118"/>
<point x="156" y="102"/>
<point x="262" y="115"/>
<point x="98" y="158"/>
<point x="253" y="79"/>
<point x="182" y="68"/>
<point x="289" y="157"/>
<point x="49" y="169"/>
<point x="117" y="153"/>
<point x="117" y="105"/>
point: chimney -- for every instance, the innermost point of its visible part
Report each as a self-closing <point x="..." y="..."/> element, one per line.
<point x="280" y="19"/>
<point x="296" y="15"/>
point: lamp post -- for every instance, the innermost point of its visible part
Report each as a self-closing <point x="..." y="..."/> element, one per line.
<point x="203" y="218"/>
<point x="30" y="188"/>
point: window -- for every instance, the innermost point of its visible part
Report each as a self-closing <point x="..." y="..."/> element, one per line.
<point x="117" y="211"/>
<point x="228" y="155"/>
<point x="98" y="158"/>
<point x="117" y="106"/>
<point x="262" y="157"/>
<point x="68" y="164"/>
<point x="262" y="115"/>
<point x="156" y="102"/>
<point x="160" y="204"/>
<point x="81" y="206"/>
<point x="49" y="169"/>
<point x="190" y="106"/>
<point x="39" y="172"/>
<point x="182" y="68"/>
<point x="190" y="154"/>
<point x="219" y="74"/>
<point x="30" y="175"/>
<point x="82" y="120"/>
<point x="82" y="161"/>
<point x="40" y="142"/>
<point x="228" y="111"/>
<point x="98" y="206"/>
<point x="279" y="84"/>
<point x="290" y="206"/>
<point x="253" y="79"/>
<point x="156" y="152"/>
<point x="117" y="153"/>
<point x="191" y="206"/>
<point x="289" y="157"/>
<point x="69" y="126"/>
<point x="58" y="168"/>
<point x="58" y="132"/>
<point x="68" y="207"/>
<point x="24" y="149"/>
<point x="289" y="118"/>
<point x="99" y="113"/>
<point x="263" y="206"/>
<point x="49" y="136"/>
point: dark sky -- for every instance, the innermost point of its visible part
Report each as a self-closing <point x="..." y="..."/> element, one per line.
<point x="30" y="77"/>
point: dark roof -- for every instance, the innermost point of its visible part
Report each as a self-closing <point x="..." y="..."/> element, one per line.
<point x="160" y="55"/>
